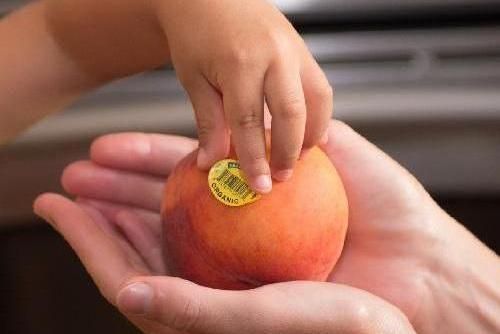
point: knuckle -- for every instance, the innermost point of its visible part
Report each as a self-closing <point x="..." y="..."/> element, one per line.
<point x="278" y="44"/>
<point x="293" y="108"/>
<point x="188" y="317"/>
<point x="241" y="57"/>
<point x="289" y="156"/>
<point x="260" y="168"/>
<point x="205" y="128"/>
<point x="256" y="164"/>
<point x="249" y="121"/>
<point x="285" y="161"/>
<point x="285" y="156"/>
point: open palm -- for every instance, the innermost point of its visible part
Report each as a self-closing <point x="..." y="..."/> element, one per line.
<point x="120" y="188"/>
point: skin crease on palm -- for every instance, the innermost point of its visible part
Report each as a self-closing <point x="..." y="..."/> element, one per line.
<point x="390" y="236"/>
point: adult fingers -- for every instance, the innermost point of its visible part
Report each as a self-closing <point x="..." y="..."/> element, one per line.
<point x="111" y="211"/>
<point x="142" y="229"/>
<point x="285" y="98"/>
<point x="86" y="179"/>
<point x="140" y="152"/>
<point x="99" y="251"/>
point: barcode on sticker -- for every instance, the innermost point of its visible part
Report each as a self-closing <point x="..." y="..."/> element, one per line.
<point x="234" y="183"/>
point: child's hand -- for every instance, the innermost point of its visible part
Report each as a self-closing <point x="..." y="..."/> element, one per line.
<point x="231" y="56"/>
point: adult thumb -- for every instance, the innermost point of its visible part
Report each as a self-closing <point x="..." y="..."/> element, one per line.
<point x="184" y="306"/>
<point x="291" y="308"/>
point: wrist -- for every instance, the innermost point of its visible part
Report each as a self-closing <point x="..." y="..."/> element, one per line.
<point x="107" y="40"/>
<point x="463" y="292"/>
<point x="37" y="77"/>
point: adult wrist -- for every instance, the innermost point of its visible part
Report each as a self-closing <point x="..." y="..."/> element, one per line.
<point x="463" y="291"/>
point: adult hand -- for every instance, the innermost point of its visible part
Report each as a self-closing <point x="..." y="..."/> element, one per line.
<point x="403" y="247"/>
<point x="400" y="245"/>
<point x="114" y="227"/>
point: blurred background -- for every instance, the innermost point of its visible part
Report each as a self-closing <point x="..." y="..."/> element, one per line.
<point x="419" y="78"/>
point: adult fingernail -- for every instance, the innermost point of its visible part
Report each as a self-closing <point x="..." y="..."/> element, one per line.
<point x="263" y="183"/>
<point x="283" y="175"/>
<point x="135" y="298"/>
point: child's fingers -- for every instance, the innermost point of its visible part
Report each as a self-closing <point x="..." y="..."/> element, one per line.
<point x="244" y="108"/>
<point x="319" y="100"/>
<point x="212" y="131"/>
<point x="285" y="98"/>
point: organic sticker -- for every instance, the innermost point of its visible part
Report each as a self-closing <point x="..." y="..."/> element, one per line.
<point x="228" y="184"/>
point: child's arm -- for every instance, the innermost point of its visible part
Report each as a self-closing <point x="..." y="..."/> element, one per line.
<point x="53" y="51"/>
<point x="36" y="77"/>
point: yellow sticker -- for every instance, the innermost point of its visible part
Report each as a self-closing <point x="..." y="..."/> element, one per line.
<point x="228" y="184"/>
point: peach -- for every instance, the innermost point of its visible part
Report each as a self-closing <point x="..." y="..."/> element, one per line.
<point x="294" y="233"/>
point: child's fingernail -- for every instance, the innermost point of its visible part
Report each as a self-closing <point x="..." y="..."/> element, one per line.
<point x="202" y="159"/>
<point x="135" y="298"/>
<point x="283" y="175"/>
<point x="263" y="183"/>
